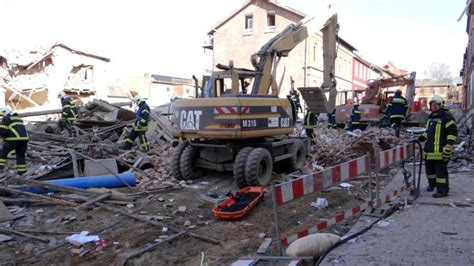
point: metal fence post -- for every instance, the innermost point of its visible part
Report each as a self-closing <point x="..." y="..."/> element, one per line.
<point x="277" y="225"/>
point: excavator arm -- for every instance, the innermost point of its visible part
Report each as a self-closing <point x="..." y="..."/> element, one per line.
<point x="374" y="88"/>
<point x="323" y="99"/>
<point x="266" y="60"/>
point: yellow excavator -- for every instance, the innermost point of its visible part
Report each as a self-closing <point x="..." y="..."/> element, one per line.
<point x="230" y="128"/>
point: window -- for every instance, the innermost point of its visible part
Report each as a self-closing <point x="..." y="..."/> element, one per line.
<point x="315" y="52"/>
<point x="270" y="21"/>
<point x="356" y="69"/>
<point x="188" y="91"/>
<point x="248" y="23"/>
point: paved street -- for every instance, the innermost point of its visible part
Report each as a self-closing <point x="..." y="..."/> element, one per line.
<point x="422" y="234"/>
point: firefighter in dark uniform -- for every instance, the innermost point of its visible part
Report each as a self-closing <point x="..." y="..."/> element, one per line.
<point x="140" y="126"/>
<point x="355" y="117"/>
<point x="332" y="119"/>
<point x="441" y="133"/>
<point x="396" y="110"/>
<point x="310" y="122"/>
<point x="68" y="114"/>
<point x="15" y="138"/>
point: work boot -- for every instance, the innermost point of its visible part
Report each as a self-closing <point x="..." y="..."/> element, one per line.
<point x="430" y="188"/>
<point x="441" y="194"/>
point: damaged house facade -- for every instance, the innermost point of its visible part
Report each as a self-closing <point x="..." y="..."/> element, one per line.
<point x="32" y="81"/>
<point x="243" y="32"/>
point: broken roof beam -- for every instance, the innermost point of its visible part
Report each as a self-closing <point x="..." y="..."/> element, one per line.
<point x="19" y="93"/>
<point x="57" y="111"/>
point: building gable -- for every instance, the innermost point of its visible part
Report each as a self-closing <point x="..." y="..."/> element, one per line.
<point x="269" y="5"/>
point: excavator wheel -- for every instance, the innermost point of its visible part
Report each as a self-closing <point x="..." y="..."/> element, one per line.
<point x="296" y="162"/>
<point x="187" y="163"/>
<point x="258" y="168"/>
<point x="175" y="159"/>
<point x="239" y="167"/>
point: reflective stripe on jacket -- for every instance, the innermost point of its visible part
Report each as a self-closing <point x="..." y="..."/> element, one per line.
<point x="310" y="120"/>
<point x="12" y="128"/>
<point x="68" y="113"/>
<point x="142" y="117"/>
<point x="398" y="107"/>
<point x="440" y="130"/>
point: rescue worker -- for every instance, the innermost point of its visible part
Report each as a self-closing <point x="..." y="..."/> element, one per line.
<point x="68" y="114"/>
<point x="355" y="117"/>
<point x="140" y="126"/>
<point x="15" y="138"/>
<point x="386" y="111"/>
<point x="332" y="119"/>
<point x="310" y="122"/>
<point x="295" y="96"/>
<point x="441" y="133"/>
<point x="397" y="109"/>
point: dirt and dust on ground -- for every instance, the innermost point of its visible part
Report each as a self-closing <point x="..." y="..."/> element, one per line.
<point x="160" y="221"/>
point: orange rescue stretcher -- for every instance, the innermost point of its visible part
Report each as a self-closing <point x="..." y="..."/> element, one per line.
<point x="239" y="203"/>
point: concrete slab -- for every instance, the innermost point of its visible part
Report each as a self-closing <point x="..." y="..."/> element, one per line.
<point x="98" y="167"/>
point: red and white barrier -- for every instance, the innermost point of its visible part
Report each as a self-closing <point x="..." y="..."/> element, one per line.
<point x="304" y="185"/>
<point x="321" y="226"/>
<point x="389" y="157"/>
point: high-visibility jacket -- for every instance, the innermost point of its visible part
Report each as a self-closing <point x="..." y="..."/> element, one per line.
<point x="68" y="113"/>
<point x="440" y="131"/>
<point x="397" y="108"/>
<point x="12" y="128"/>
<point x="355" y="116"/>
<point x="310" y="120"/>
<point x="142" y="117"/>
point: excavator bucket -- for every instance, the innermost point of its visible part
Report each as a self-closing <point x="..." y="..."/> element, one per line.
<point x="319" y="100"/>
<point x="322" y="99"/>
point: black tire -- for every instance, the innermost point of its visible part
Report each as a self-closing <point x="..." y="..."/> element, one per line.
<point x="296" y="162"/>
<point x="258" y="168"/>
<point x="175" y="159"/>
<point x="239" y="167"/>
<point x="187" y="163"/>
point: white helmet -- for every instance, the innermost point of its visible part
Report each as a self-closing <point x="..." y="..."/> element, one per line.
<point x="61" y="94"/>
<point x="137" y="99"/>
<point x="437" y="99"/>
<point x="5" y="111"/>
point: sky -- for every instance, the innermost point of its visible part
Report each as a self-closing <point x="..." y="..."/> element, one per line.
<point x="166" y="37"/>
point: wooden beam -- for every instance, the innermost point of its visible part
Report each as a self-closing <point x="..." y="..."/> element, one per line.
<point x="42" y="197"/>
<point x="3" y="229"/>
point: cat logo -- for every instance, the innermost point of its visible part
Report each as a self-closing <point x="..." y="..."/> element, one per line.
<point x="189" y="120"/>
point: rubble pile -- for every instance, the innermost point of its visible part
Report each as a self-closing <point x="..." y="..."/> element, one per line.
<point x="334" y="146"/>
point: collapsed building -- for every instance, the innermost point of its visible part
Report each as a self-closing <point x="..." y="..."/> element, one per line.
<point x="32" y="80"/>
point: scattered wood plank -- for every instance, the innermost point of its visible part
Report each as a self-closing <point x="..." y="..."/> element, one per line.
<point x="47" y="232"/>
<point x="264" y="246"/>
<point x="72" y="190"/>
<point x="94" y="200"/>
<point x="154" y="223"/>
<point x="42" y="197"/>
<point x="11" y="231"/>
<point x="134" y="168"/>
<point x="25" y="200"/>
<point x="139" y="252"/>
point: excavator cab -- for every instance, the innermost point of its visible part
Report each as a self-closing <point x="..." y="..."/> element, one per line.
<point x="228" y="81"/>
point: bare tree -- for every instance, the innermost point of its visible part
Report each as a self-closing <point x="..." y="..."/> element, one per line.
<point x="440" y="73"/>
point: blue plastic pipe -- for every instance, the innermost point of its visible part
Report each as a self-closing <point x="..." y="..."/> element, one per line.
<point x="103" y="181"/>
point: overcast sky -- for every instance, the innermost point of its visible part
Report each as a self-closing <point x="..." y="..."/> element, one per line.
<point x="166" y="37"/>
